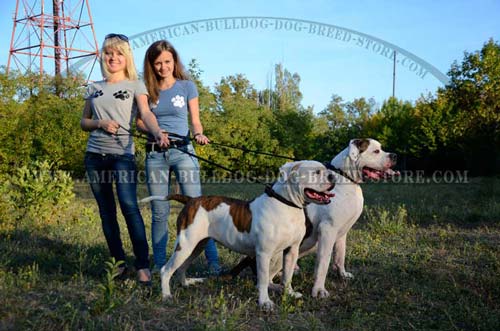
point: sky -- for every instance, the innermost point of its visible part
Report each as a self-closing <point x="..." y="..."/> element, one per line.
<point x="350" y="61"/>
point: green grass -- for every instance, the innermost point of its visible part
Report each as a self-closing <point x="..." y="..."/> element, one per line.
<point x="424" y="256"/>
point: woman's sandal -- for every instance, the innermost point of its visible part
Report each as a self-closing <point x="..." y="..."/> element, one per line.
<point x="144" y="277"/>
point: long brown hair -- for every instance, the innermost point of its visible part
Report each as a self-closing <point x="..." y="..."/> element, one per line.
<point x="151" y="78"/>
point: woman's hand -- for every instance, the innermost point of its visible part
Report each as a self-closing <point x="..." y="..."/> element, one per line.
<point x="162" y="139"/>
<point x="109" y="126"/>
<point x="201" y="139"/>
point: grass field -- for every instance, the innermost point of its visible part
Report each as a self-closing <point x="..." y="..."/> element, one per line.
<point x="424" y="257"/>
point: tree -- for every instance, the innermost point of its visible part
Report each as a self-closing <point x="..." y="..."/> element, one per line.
<point x="473" y="95"/>
<point x="287" y="92"/>
<point x="292" y="124"/>
<point x="205" y="96"/>
<point x="40" y="125"/>
<point x="239" y="120"/>
<point x="359" y="111"/>
<point x="334" y="113"/>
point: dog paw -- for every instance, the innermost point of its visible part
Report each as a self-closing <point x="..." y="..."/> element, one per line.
<point x="320" y="293"/>
<point x="293" y="294"/>
<point x="266" y="305"/>
<point x="192" y="281"/>
<point x="166" y="296"/>
<point x="346" y="275"/>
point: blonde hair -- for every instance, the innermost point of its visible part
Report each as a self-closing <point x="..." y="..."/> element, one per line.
<point x="151" y="78"/>
<point x="124" y="48"/>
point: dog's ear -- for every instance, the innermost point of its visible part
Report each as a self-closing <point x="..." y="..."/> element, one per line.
<point x="354" y="149"/>
<point x="289" y="170"/>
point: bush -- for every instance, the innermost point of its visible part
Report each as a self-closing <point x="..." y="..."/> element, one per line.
<point x="41" y="123"/>
<point x="37" y="195"/>
<point x="7" y="207"/>
<point x="388" y="222"/>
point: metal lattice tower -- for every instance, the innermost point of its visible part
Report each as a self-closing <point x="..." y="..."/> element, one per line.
<point x="48" y="36"/>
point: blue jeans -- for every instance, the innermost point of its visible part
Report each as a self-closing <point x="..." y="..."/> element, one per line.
<point x="102" y="171"/>
<point x="187" y="172"/>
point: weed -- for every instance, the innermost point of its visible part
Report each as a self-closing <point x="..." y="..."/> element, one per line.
<point x="27" y="277"/>
<point x="384" y="222"/>
<point x="109" y="298"/>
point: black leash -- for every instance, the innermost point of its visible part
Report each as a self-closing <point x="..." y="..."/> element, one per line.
<point x="329" y="166"/>
<point x="129" y="133"/>
<point x="234" y="172"/>
<point x="272" y="193"/>
<point x="268" y="187"/>
<point x="244" y="149"/>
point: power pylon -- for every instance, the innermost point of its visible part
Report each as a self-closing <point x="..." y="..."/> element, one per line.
<point x="48" y="36"/>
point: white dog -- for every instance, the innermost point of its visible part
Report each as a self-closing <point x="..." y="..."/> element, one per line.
<point x="362" y="159"/>
<point x="272" y="224"/>
<point x="329" y="224"/>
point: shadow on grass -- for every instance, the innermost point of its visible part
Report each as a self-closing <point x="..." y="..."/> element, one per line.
<point x="53" y="256"/>
<point x="21" y="249"/>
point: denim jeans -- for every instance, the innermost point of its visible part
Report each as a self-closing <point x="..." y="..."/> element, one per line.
<point x="102" y="171"/>
<point x="187" y="173"/>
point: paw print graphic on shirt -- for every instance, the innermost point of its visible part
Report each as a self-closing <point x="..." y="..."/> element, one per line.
<point x="96" y="94"/>
<point x="178" y="101"/>
<point x="121" y="95"/>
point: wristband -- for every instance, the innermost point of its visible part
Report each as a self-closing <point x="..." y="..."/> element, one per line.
<point x="197" y="134"/>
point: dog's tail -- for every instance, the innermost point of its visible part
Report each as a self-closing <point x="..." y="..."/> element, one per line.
<point x="153" y="198"/>
<point x="177" y="197"/>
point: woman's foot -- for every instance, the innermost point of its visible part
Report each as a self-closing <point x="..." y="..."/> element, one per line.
<point x="122" y="272"/>
<point x="144" y="276"/>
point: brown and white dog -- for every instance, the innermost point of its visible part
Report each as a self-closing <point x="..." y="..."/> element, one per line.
<point x="329" y="224"/>
<point x="272" y="224"/>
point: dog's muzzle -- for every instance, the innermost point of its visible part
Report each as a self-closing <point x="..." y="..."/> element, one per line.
<point x="321" y="198"/>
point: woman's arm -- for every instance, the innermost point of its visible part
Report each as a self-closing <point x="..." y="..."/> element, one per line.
<point x="149" y="122"/>
<point x="89" y="124"/>
<point x="141" y="126"/>
<point x="194" y="112"/>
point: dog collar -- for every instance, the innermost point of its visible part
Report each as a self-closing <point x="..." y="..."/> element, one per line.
<point x="272" y="193"/>
<point x="329" y="166"/>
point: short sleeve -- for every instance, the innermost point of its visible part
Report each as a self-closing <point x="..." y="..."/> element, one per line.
<point x="140" y="88"/>
<point x="90" y="92"/>
<point x="192" y="91"/>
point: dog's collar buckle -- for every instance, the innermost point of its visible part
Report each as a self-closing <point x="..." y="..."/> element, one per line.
<point x="272" y="193"/>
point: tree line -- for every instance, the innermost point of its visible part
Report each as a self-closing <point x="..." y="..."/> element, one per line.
<point x="455" y="128"/>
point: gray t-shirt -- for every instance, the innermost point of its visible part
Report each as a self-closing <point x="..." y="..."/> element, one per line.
<point x="172" y="107"/>
<point x="114" y="101"/>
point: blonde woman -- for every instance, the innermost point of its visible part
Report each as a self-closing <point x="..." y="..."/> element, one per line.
<point x="108" y="114"/>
